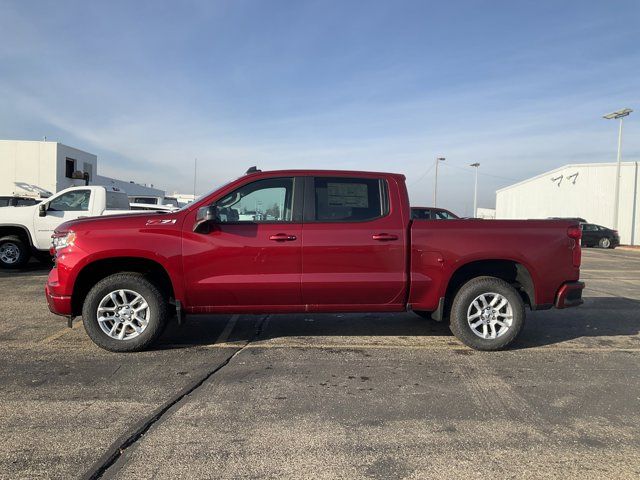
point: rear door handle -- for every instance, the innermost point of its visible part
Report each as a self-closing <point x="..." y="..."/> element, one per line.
<point x="384" y="237"/>
<point x="282" y="237"/>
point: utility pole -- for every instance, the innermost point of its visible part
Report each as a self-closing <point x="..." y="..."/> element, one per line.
<point x="435" y="188"/>
<point x="618" y="115"/>
<point x="475" y="191"/>
<point x="195" y="169"/>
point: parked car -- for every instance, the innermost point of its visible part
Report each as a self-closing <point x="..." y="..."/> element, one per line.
<point x="17" y="201"/>
<point x="432" y="213"/>
<point x="330" y="241"/>
<point x="26" y="231"/>
<point x="598" y="236"/>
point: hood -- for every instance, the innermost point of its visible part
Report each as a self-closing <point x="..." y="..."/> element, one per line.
<point x="17" y="215"/>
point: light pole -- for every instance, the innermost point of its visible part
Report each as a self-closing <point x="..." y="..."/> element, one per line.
<point x="435" y="188"/>
<point x="620" y="114"/>
<point x="475" y="191"/>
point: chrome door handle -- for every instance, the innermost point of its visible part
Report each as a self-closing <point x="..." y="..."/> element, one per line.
<point x="282" y="237"/>
<point x="384" y="237"/>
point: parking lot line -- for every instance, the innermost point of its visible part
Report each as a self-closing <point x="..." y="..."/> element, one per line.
<point x="224" y="336"/>
<point x="55" y="335"/>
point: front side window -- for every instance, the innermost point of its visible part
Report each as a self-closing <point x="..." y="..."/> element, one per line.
<point x="76" y="201"/>
<point x="343" y="199"/>
<point x="444" y="215"/>
<point x="268" y="200"/>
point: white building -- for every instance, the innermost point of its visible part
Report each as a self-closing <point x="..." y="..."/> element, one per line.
<point x="43" y="168"/>
<point x="583" y="190"/>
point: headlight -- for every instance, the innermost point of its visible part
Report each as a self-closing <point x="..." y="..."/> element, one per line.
<point x="62" y="240"/>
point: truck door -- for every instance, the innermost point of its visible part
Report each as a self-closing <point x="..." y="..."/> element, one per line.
<point x="67" y="206"/>
<point x="251" y="257"/>
<point x="354" y="249"/>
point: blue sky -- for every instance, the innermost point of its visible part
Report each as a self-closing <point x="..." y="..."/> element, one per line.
<point x="519" y="86"/>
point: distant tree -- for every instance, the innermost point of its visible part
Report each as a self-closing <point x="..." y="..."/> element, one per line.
<point x="273" y="211"/>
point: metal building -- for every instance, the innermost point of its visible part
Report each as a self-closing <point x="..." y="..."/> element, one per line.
<point x="41" y="168"/>
<point x="583" y="190"/>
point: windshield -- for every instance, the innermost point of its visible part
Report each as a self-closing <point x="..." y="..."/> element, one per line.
<point x="204" y="195"/>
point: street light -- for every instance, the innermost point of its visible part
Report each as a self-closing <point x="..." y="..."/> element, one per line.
<point x="435" y="188"/>
<point x="475" y="191"/>
<point x="620" y="114"/>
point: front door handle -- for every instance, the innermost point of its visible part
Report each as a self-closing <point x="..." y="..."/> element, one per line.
<point x="384" y="237"/>
<point x="282" y="237"/>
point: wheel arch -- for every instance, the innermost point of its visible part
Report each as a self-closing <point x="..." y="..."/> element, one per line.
<point x="97" y="270"/>
<point x="19" y="230"/>
<point x="511" y="271"/>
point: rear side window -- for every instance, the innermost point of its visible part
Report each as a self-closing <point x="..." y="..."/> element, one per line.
<point x="343" y="199"/>
<point x="420" y="214"/>
<point x="117" y="201"/>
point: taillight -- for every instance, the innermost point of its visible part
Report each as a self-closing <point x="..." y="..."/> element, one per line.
<point x="575" y="234"/>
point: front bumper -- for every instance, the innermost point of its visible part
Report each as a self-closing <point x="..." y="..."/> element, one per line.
<point x="569" y="295"/>
<point x="58" y="304"/>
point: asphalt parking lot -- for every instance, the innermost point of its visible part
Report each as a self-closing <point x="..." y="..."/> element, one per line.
<point x="327" y="396"/>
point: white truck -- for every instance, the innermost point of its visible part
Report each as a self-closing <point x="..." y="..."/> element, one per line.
<point x="26" y="231"/>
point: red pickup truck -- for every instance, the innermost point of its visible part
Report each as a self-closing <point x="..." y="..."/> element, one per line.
<point x="309" y="241"/>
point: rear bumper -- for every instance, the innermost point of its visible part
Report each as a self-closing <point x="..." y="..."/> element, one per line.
<point x="569" y="295"/>
<point x="58" y="304"/>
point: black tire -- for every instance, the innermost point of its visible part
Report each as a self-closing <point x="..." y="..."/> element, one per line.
<point x="425" y="315"/>
<point x="604" y="242"/>
<point x="14" y="252"/>
<point x="43" y="257"/>
<point x="136" y="282"/>
<point x="463" y="301"/>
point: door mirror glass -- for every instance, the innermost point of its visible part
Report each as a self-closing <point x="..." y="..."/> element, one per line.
<point x="42" y="210"/>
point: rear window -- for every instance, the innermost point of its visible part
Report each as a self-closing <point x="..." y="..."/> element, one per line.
<point x="117" y="201"/>
<point x="146" y="200"/>
<point x="343" y="199"/>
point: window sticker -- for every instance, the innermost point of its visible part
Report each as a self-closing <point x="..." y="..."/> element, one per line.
<point x="347" y="195"/>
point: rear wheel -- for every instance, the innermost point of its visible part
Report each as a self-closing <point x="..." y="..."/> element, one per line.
<point x="14" y="253"/>
<point x="487" y="313"/>
<point x="124" y="312"/>
<point x="604" y="243"/>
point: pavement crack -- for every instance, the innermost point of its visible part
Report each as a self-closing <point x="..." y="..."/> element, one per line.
<point x="120" y="446"/>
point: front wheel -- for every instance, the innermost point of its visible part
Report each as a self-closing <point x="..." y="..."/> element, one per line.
<point x="14" y="253"/>
<point x="124" y="312"/>
<point x="487" y="314"/>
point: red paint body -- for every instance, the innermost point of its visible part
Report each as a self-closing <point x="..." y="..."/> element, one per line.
<point x="386" y="264"/>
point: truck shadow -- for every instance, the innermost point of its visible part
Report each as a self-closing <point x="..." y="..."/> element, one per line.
<point x="600" y="318"/>
<point x="32" y="269"/>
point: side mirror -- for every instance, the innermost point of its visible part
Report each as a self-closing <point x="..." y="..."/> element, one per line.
<point x="205" y="217"/>
<point x="42" y="210"/>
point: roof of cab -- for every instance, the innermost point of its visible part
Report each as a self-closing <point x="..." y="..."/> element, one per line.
<point x="324" y="173"/>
